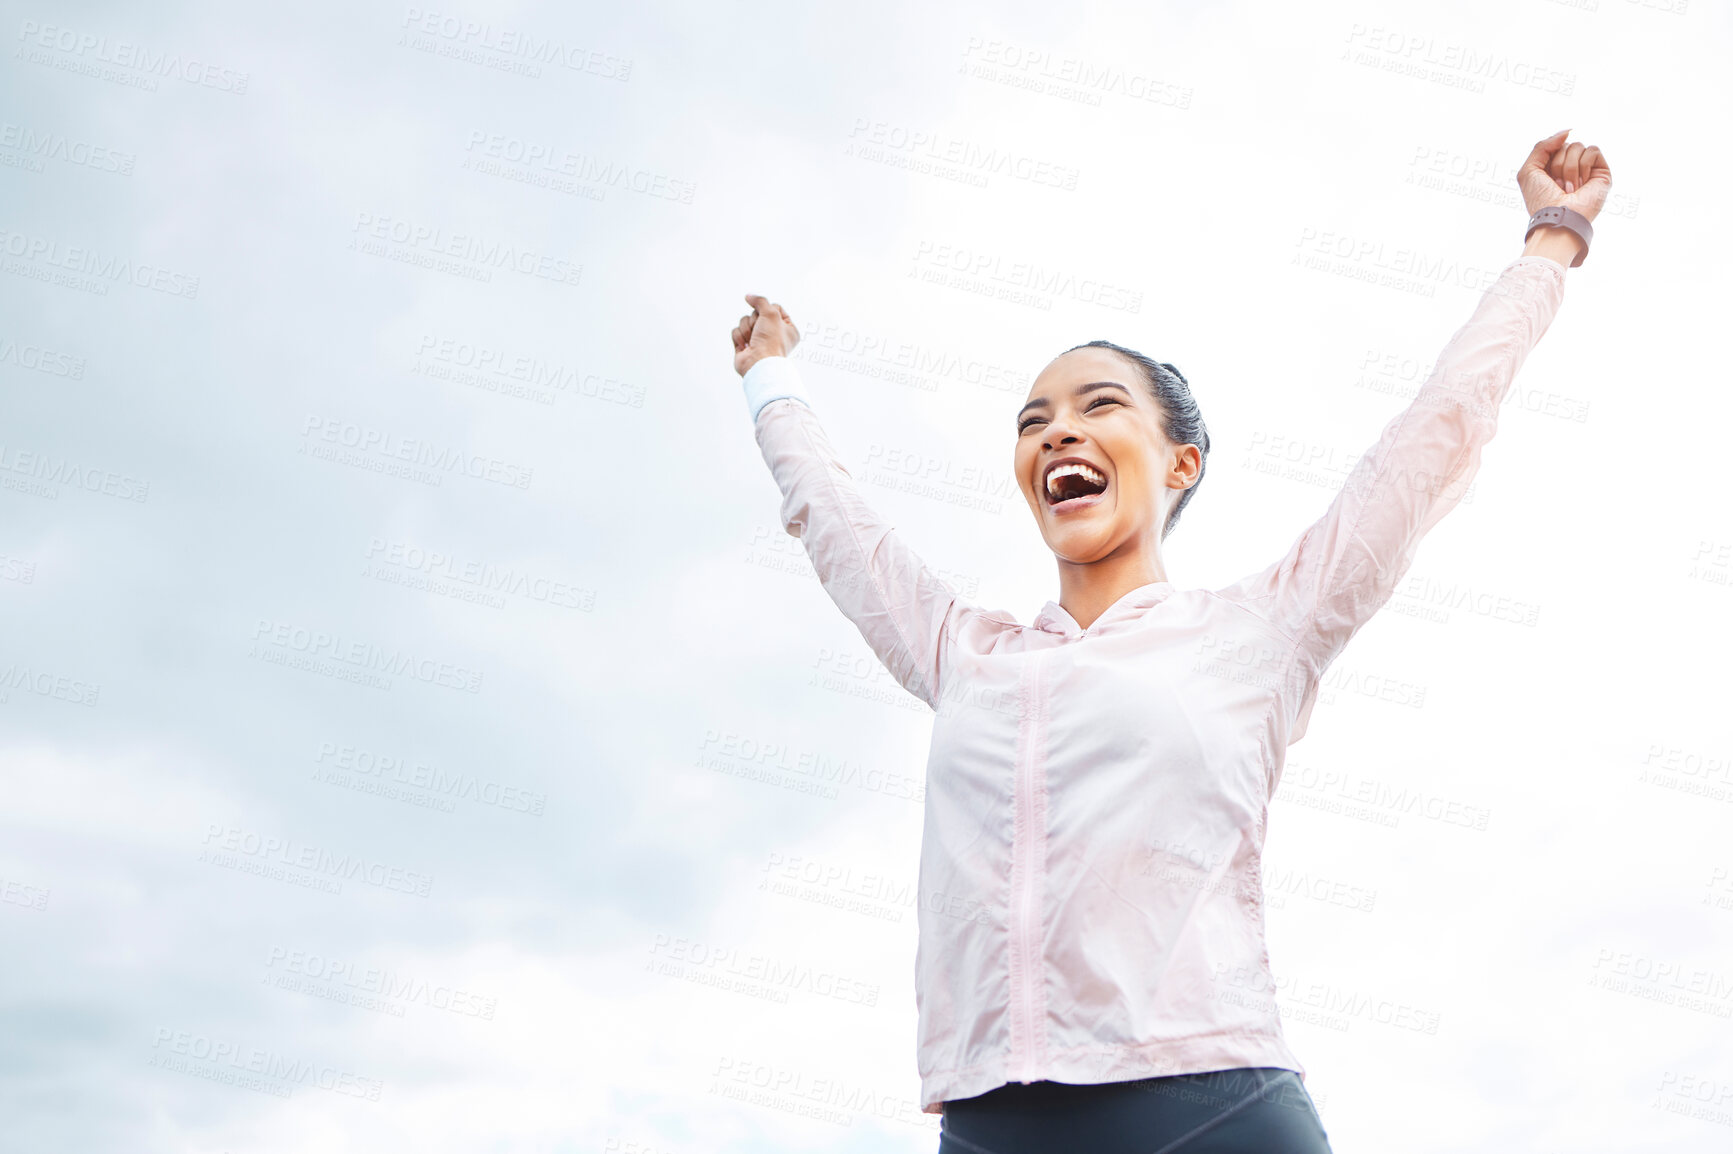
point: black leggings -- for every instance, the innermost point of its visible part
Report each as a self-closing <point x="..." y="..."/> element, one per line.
<point x="1245" y="1111"/>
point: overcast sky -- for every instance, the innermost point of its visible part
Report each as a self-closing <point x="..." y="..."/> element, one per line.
<point x="416" y="732"/>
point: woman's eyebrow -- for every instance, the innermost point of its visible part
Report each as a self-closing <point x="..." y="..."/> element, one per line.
<point x="1043" y="402"/>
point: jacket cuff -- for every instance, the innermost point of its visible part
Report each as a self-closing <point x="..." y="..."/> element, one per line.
<point x="771" y="379"/>
<point x="1533" y="258"/>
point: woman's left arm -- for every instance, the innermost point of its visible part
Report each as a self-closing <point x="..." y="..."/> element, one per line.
<point x="1349" y="562"/>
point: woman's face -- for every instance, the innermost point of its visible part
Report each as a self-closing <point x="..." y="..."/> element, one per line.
<point x="1092" y="426"/>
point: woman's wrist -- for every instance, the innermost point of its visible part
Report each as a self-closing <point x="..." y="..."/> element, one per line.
<point x="1560" y="244"/>
<point x="766" y="355"/>
<point x="771" y="378"/>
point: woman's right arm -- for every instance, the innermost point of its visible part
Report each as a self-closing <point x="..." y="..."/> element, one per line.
<point x="905" y="612"/>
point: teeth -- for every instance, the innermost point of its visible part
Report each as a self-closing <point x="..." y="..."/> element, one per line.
<point x="1059" y="471"/>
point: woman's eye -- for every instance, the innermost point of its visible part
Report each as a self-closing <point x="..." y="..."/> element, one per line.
<point x="1025" y="426"/>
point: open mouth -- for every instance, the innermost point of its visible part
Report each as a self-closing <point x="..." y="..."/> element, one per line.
<point x="1070" y="483"/>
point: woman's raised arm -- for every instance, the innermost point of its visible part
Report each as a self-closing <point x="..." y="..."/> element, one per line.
<point x="1347" y="564"/>
<point x="906" y="613"/>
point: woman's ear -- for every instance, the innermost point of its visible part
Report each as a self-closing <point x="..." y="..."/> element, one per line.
<point x="1186" y="468"/>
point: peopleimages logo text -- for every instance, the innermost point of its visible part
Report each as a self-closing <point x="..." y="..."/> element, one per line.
<point x="365" y="655"/>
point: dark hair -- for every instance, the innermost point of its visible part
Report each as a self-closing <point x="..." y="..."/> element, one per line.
<point x="1184" y="424"/>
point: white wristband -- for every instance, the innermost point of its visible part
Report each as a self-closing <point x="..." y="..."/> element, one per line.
<point x="770" y="379"/>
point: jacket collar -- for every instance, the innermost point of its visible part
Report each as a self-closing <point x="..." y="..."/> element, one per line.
<point x="1054" y="619"/>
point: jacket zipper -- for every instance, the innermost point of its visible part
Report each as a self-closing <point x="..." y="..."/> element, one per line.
<point x="1028" y="836"/>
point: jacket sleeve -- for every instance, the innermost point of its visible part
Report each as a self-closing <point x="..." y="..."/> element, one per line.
<point x="1349" y="562"/>
<point x="906" y="613"/>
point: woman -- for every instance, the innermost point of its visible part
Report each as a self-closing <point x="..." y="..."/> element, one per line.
<point x="1091" y="972"/>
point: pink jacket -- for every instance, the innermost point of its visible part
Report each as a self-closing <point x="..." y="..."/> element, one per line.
<point x="1091" y="905"/>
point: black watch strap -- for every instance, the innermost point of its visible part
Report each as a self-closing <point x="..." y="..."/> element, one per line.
<point x="1558" y="216"/>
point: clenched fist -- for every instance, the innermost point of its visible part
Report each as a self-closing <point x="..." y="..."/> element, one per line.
<point x="1573" y="175"/>
<point x="766" y="331"/>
